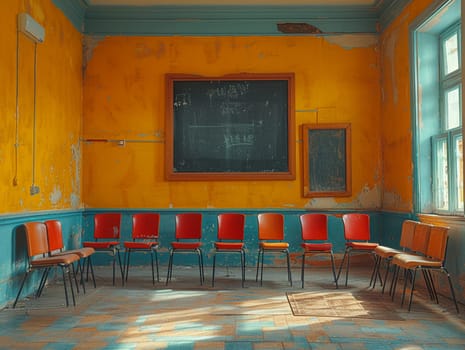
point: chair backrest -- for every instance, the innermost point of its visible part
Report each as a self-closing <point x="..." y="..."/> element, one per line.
<point x="406" y="236"/>
<point x="356" y="227"/>
<point x="270" y="226"/>
<point x="36" y="234"/>
<point x="107" y="226"/>
<point x="314" y="227"/>
<point x="231" y="226"/>
<point x="145" y="225"/>
<point x="437" y="242"/>
<point x="421" y="237"/>
<point x="189" y="226"/>
<point x="54" y="235"/>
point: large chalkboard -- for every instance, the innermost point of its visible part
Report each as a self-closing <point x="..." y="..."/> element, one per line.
<point x="326" y="160"/>
<point x="231" y="127"/>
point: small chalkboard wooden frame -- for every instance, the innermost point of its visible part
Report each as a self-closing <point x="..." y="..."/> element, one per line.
<point x="247" y="135"/>
<point x="326" y="154"/>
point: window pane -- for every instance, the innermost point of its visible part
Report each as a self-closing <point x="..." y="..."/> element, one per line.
<point x="442" y="179"/>
<point x="451" y="54"/>
<point x="452" y="102"/>
<point x="459" y="171"/>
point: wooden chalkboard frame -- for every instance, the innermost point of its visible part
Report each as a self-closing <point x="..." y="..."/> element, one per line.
<point x="172" y="174"/>
<point x="332" y="134"/>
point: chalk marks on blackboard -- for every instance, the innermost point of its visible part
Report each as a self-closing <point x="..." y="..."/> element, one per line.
<point x="236" y="127"/>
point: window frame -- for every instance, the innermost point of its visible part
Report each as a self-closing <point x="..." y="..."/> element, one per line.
<point x="447" y="83"/>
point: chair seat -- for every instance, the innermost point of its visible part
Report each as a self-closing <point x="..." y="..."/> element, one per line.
<point x="229" y="245"/>
<point x="54" y="260"/>
<point x="317" y="247"/>
<point x="81" y="252"/>
<point x="387" y="252"/>
<point x="362" y="245"/>
<point x="140" y="245"/>
<point x="186" y="245"/>
<point x="274" y="245"/>
<point x="101" y="245"/>
<point x="409" y="261"/>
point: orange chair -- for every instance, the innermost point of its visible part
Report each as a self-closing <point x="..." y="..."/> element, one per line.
<point x="39" y="259"/>
<point x="357" y="236"/>
<point x="315" y="239"/>
<point x="230" y="239"/>
<point x="188" y="235"/>
<point x="384" y="253"/>
<point x="56" y="247"/>
<point x="419" y="246"/>
<point x="145" y="231"/>
<point x="271" y="236"/>
<point x="107" y="230"/>
<point x="432" y="261"/>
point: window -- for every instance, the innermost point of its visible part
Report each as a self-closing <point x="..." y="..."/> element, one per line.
<point x="447" y="144"/>
<point x="437" y="109"/>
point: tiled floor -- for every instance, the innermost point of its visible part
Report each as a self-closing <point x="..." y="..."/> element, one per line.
<point x="185" y="315"/>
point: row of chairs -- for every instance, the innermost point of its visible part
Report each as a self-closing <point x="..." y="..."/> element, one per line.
<point x="422" y="248"/>
<point x="45" y="250"/>
<point x="45" y="239"/>
<point x="230" y="239"/>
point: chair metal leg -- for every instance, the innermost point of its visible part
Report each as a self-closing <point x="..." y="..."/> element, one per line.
<point x="342" y="264"/>
<point x="127" y="258"/>
<point x="20" y="288"/>
<point x="302" y="271"/>
<point x="374" y="271"/>
<point x="386" y="274"/>
<point x="411" y="290"/>
<point x="213" y="273"/>
<point x="452" y="293"/>
<point x="289" y="273"/>
<point x="334" y="269"/>
<point x="258" y="264"/>
<point x="261" y="274"/>
<point x="156" y="263"/>
<point x="243" y="267"/>
<point x="120" y="267"/>
<point x="89" y="265"/>
<point x="170" y="266"/>
<point x="199" y="253"/>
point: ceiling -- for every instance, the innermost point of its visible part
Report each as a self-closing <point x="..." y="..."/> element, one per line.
<point x="230" y="2"/>
<point x="230" y="17"/>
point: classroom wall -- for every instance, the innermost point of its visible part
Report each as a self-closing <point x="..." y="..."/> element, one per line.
<point x="336" y="80"/>
<point x="397" y="137"/>
<point x="57" y="169"/>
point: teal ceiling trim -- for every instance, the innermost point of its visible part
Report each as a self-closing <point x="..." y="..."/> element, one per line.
<point x="225" y="20"/>
<point x="389" y="10"/>
<point x="75" y="11"/>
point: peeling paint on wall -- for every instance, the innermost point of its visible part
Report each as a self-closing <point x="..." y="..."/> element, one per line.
<point x="394" y="200"/>
<point x="352" y="41"/>
<point x="368" y="198"/>
<point x="55" y="196"/>
<point x="89" y="43"/>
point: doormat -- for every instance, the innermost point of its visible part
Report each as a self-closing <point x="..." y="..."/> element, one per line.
<point x="355" y="304"/>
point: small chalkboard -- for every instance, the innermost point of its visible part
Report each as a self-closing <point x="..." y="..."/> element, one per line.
<point x="326" y="160"/>
<point x="232" y="127"/>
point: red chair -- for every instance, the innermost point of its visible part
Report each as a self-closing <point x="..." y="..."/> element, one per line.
<point x="357" y="236"/>
<point x="315" y="239"/>
<point x="230" y="239"/>
<point x="145" y="231"/>
<point x="188" y="235"/>
<point x="107" y="230"/>
<point x="271" y="236"/>
<point x="39" y="259"/>
<point x="57" y="247"/>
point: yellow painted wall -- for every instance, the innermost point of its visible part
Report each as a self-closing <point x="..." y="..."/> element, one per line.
<point x="124" y="99"/>
<point x="396" y="111"/>
<point x="58" y="111"/>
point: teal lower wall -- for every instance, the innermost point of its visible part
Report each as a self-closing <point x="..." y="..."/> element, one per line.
<point x="13" y="248"/>
<point x="78" y="227"/>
